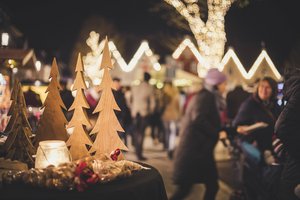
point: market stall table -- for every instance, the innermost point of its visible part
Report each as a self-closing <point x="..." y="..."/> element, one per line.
<point x="142" y="185"/>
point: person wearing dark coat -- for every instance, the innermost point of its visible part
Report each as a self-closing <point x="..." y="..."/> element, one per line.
<point x="32" y="98"/>
<point x="234" y="99"/>
<point x="261" y="107"/>
<point x="287" y="130"/>
<point x="124" y="116"/>
<point x="67" y="98"/>
<point x="199" y="132"/>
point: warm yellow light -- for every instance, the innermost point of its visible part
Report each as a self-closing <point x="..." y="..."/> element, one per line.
<point x="4" y="39"/>
<point x="51" y="152"/>
<point x="38" y="65"/>
<point x="263" y="55"/>
<point x="187" y="43"/>
<point x="248" y="75"/>
<point x="210" y="35"/>
<point x="159" y="85"/>
<point x="152" y="81"/>
<point x="37" y="83"/>
<point x="231" y="54"/>
<point x="182" y="82"/>
<point x="136" y="82"/>
<point x="14" y="69"/>
<point x="97" y="81"/>
<point x="91" y="61"/>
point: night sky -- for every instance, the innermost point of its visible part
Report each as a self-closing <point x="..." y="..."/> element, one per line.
<point x="54" y="27"/>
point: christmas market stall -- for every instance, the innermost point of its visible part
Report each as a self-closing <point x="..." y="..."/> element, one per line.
<point x="50" y="163"/>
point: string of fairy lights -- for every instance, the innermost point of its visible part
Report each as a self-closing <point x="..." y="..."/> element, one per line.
<point x="92" y="59"/>
<point x="210" y="35"/>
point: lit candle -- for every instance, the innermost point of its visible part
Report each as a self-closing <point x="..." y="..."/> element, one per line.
<point x="51" y="152"/>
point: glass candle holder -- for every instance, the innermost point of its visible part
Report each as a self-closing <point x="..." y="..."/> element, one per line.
<point x="51" y="152"/>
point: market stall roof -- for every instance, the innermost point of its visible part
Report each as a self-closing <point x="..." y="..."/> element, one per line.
<point x="26" y="58"/>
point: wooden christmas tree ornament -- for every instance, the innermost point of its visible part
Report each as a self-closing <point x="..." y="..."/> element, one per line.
<point x="18" y="145"/>
<point x="79" y="138"/>
<point x="107" y="125"/>
<point x="52" y="123"/>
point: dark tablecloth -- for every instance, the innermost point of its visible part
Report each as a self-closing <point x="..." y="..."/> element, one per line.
<point x="142" y="185"/>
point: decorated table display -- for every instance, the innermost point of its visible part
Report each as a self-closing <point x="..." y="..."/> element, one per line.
<point x="98" y="166"/>
<point x="77" y="175"/>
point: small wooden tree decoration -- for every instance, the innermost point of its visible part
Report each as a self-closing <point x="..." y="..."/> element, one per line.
<point x="107" y="124"/>
<point x="18" y="145"/>
<point x="52" y="123"/>
<point x="79" y="138"/>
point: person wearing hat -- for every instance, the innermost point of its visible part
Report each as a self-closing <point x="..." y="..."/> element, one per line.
<point x="199" y="132"/>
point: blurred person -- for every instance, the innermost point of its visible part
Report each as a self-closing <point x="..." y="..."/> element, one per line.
<point x="170" y="116"/>
<point x="234" y="99"/>
<point x="67" y="97"/>
<point x="128" y="96"/>
<point x="124" y="116"/>
<point x="92" y="97"/>
<point x="32" y="98"/>
<point x="192" y="90"/>
<point x="4" y="92"/>
<point x="260" y="108"/>
<point x="287" y="130"/>
<point x="182" y="99"/>
<point x="157" y="127"/>
<point x="142" y="107"/>
<point x="5" y="102"/>
<point x="199" y="132"/>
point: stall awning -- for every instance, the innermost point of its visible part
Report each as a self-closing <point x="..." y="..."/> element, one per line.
<point x="26" y="58"/>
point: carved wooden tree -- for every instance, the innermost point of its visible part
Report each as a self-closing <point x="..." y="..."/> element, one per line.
<point x="107" y="124"/>
<point x="52" y="123"/>
<point x="79" y="138"/>
<point x="18" y="145"/>
<point x="12" y="108"/>
<point x="210" y="35"/>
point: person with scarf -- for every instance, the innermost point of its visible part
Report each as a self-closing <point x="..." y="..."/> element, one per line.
<point x="259" y="108"/>
<point x="199" y="132"/>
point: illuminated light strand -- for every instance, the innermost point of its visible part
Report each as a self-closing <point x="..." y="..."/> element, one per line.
<point x="263" y="55"/>
<point x="143" y="49"/>
<point x="187" y="43"/>
<point x="231" y="54"/>
<point x="93" y="58"/>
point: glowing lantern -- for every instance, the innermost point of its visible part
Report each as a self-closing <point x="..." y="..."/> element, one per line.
<point x="51" y="152"/>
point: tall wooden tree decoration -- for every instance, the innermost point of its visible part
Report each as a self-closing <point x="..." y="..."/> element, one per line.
<point x="107" y="124"/>
<point x="18" y="144"/>
<point x="52" y="123"/>
<point x="12" y="108"/>
<point x="79" y="138"/>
